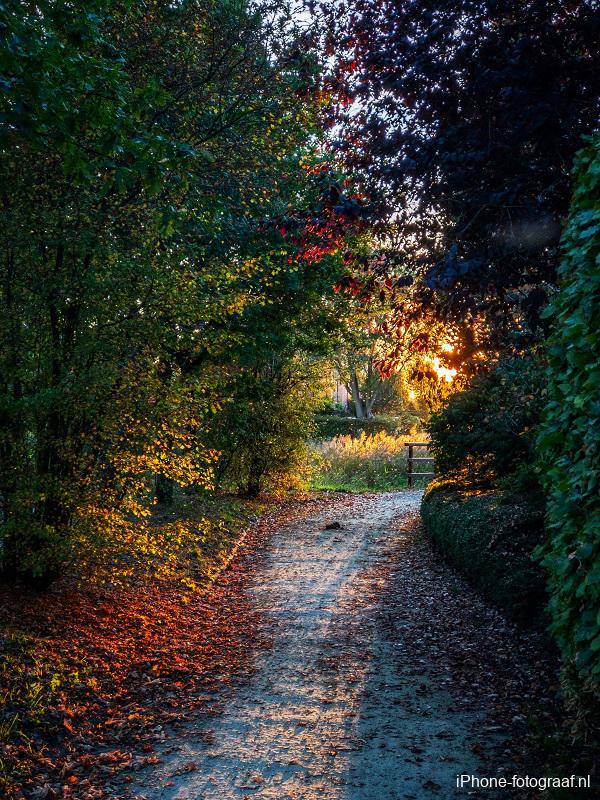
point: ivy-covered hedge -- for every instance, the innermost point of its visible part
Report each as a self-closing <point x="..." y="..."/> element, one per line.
<point x="328" y="426"/>
<point x="569" y="442"/>
<point x="491" y="542"/>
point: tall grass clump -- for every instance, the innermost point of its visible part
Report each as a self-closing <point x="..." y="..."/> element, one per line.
<point x="363" y="463"/>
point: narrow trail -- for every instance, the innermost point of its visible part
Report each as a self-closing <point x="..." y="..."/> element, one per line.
<point x="369" y="687"/>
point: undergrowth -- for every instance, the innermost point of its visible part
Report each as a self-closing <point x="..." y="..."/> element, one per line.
<point x="48" y="677"/>
<point x="365" y="463"/>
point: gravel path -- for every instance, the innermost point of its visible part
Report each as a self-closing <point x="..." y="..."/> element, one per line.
<point x="340" y="704"/>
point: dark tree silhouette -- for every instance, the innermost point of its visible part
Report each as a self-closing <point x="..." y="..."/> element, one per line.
<point x="462" y="118"/>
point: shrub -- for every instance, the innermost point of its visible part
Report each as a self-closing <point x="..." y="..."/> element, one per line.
<point x="490" y="542"/>
<point x="488" y="430"/>
<point x="262" y="435"/>
<point x="328" y="426"/>
<point x="569" y="441"/>
<point x="487" y="519"/>
<point x="330" y="407"/>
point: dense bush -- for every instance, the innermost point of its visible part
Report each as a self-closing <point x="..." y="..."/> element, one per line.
<point x="261" y="435"/>
<point x="569" y="443"/>
<point x="491" y="543"/>
<point x="488" y="431"/>
<point x="328" y="426"/>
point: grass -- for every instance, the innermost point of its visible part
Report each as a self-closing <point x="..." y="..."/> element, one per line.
<point x="365" y="463"/>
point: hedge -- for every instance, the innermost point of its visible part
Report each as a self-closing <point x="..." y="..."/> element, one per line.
<point x="569" y="442"/>
<point x="490" y="542"/>
<point x="328" y="426"/>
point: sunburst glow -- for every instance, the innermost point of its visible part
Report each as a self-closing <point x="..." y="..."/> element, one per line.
<point x="444" y="373"/>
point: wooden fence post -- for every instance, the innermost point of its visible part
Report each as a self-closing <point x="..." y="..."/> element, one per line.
<point x="412" y="458"/>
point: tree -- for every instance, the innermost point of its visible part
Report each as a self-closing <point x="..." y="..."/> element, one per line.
<point x="359" y="350"/>
<point x="462" y="119"/>
<point x="389" y="355"/>
<point x="151" y="156"/>
<point x="263" y="431"/>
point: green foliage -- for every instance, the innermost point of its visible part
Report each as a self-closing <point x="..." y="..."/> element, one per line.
<point x="262" y="436"/>
<point x="569" y="441"/>
<point x="328" y="426"/>
<point x="491" y="543"/>
<point x="487" y="432"/>
<point x="148" y="155"/>
<point x="331" y="407"/>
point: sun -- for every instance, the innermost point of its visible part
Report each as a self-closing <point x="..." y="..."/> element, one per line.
<point x="444" y="373"/>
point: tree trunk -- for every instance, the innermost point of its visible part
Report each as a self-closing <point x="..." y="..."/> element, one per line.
<point x="164" y="489"/>
<point x="252" y="487"/>
<point x="359" y="404"/>
<point x="12" y="443"/>
<point x="372" y="400"/>
<point x="255" y="474"/>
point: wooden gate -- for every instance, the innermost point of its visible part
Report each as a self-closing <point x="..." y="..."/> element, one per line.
<point x="410" y="461"/>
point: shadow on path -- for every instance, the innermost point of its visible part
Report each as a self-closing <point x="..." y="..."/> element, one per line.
<point x="356" y="697"/>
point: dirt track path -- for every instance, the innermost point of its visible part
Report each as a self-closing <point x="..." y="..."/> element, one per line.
<point x="355" y="697"/>
<point x="335" y="707"/>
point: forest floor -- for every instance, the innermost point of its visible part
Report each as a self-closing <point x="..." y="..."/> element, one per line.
<point x="335" y="657"/>
<point x="376" y="675"/>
